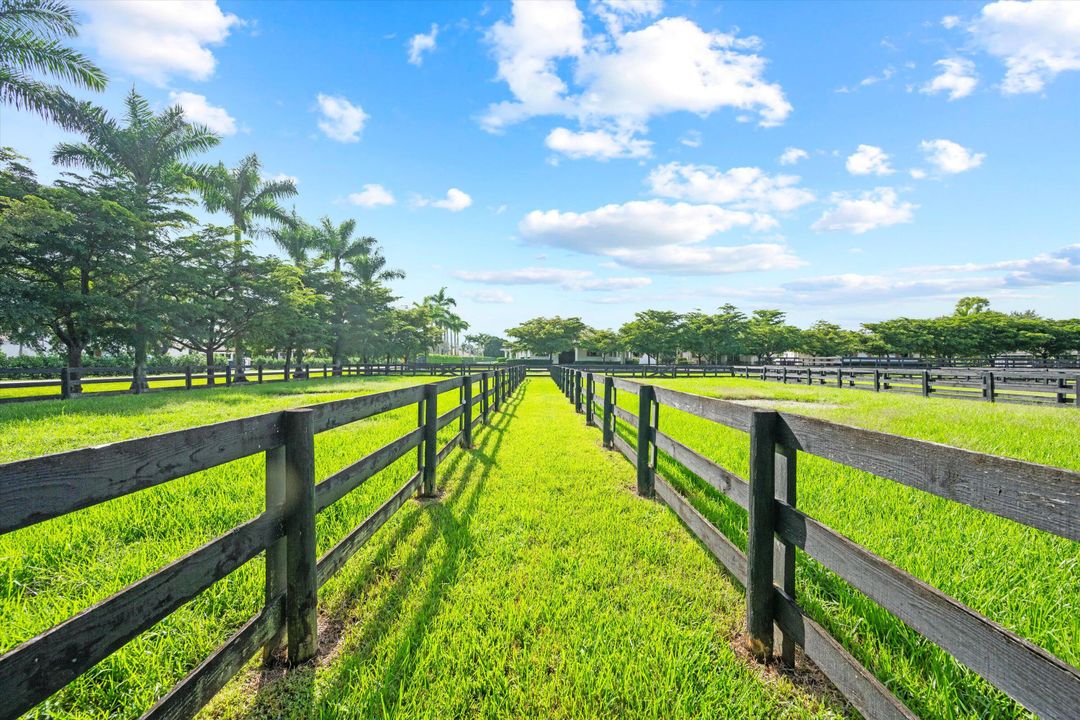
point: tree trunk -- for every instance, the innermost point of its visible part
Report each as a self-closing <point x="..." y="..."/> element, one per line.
<point x="209" y="366"/>
<point x="74" y="361"/>
<point x="138" y="384"/>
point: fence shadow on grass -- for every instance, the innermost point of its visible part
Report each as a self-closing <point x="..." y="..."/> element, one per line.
<point x="448" y="517"/>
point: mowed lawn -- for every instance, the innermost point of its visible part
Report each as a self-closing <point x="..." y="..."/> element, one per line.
<point x="538" y="585"/>
<point x="1024" y="579"/>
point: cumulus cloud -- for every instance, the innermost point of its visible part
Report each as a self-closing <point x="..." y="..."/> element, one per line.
<point x="422" y="43"/>
<point x="372" y="195"/>
<point x="563" y="278"/>
<point x="597" y="144"/>
<point x="1048" y="268"/>
<point x="744" y="188"/>
<point x="950" y="157"/>
<point x="950" y="21"/>
<point x="660" y="236"/>
<point x="198" y="110"/>
<point x="792" y="155"/>
<point x="158" y="40"/>
<point x="1036" y="41"/>
<point x="494" y="296"/>
<point x="341" y="120"/>
<point x="866" y="211"/>
<point x="622" y="79"/>
<point x="455" y="201"/>
<point x="957" y="78"/>
<point x="869" y="160"/>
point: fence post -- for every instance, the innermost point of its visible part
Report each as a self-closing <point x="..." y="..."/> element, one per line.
<point x="577" y="392"/>
<point x="302" y="593"/>
<point x="187" y="377"/>
<point x="759" y="545"/>
<point x="988" y="386"/>
<point x="65" y="383"/>
<point x="431" y="419"/>
<point x="645" y="484"/>
<point x="590" y="395"/>
<point x="1076" y="391"/>
<point x="1061" y="387"/>
<point x="228" y="375"/>
<point x="276" y="554"/>
<point x="209" y="374"/>
<point x="784" y="557"/>
<point x="466" y="422"/>
<point x="877" y="380"/>
<point x="839" y="378"/>
<point x="484" y="396"/>
<point x="926" y="383"/>
<point x="609" y="412"/>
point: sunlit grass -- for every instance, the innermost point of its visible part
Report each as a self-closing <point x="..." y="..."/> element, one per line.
<point x="1025" y="579"/>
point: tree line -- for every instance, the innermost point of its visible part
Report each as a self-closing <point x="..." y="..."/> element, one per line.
<point x="109" y="258"/>
<point x="973" y="330"/>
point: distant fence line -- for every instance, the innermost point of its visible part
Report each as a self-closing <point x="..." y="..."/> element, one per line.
<point x="1044" y="387"/>
<point x="38" y="489"/>
<point x="998" y="362"/>
<point x="1039" y="496"/>
<point x="69" y="382"/>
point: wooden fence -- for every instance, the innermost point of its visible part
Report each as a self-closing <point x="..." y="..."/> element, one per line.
<point x="68" y="382"/>
<point x="35" y="490"/>
<point x="1043" y="387"/>
<point x="1039" y="496"/>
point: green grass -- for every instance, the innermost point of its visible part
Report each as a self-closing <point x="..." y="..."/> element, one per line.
<point x="538" y="584"/>
<point x="1025" y="579"/>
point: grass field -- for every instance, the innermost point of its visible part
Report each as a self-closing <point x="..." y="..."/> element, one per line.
<point x="538" y="585"/>
<point x="1025" y="579"/>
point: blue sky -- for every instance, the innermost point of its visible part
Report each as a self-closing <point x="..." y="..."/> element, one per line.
<point x="845" y="161"/>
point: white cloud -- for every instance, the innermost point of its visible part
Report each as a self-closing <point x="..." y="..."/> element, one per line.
<point x="792" y="155"/>
<point x="372" y="195"/>
<point x="1049" y="268"/>
<point x="869" y="160"/>
<point x="157" y="40"/>
<point x="950" y="157"/>
<point x="870" y="80"/>
<point x="281" y="177"/>
<point x="957" y="78"/>
<point x="566" y="279"/>
<point x="692" y="138"/>
<point x="455" y="201"/>
<point x="950" y="21"/>
<point x="1036" y="40"/>
<point x="621" y="80"/>
<point x="341" y="120"/>
<point x="494" y="296"/>
<point x="617" y="14"/>
<point x="917" y="174"/>
<point x="422" y="43"/>
<point x="198" y="110"/>
<point x="743" y="188"/>
<point x="659" y="236"/>
<point x="867" y="211"/>
<point x="597" y="144"/>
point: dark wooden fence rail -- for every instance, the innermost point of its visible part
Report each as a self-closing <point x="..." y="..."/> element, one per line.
<point x="1039" y="496"/>
<point x="68" y="382"/>
<point x="35" y="490"/>
<point x="1043" y="387"/>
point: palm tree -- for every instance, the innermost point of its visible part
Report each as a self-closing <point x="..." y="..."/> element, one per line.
<point x="370" y="269"/>
<point x="144" y="155"/>
<point x="30" y="42"/>
<point x="296" y="238"/>
<point x="337" y="244"/>
<point x="444" y="318"/>
<point x="243" y="195"/>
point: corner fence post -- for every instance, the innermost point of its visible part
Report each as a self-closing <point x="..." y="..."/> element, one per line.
<point x="431" y="420"/>
<point x="276" y="558"/>
<point x="590" y="394"/>
<point x="609" y="412"/>
<point x="759" y="545"/>
<point x="645" y="480"/>
<point x="301" y="616"/>
<point x="784" y="557"/>
<point x="466" y="421"/>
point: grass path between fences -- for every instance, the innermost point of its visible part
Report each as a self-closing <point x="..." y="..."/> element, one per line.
<point x="537" y="585"/>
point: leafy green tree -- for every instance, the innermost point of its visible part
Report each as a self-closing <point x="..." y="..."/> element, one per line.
<point x="141" y="161"/>
<point x="826" y="339"/>
<point x="605" y="342"/>
<point x="297" y="321"/>
<point x="547" y="336"/>
<point x="971" y="305"/>
<point x="297" y="238"/>
<point x="31" y="32"/>
<point x="714" y="336"/>
<point x="411" y="331"/>
<point x="486" y="345"/>
<point x="656" y="333"/>
<point x="767" y="334"/>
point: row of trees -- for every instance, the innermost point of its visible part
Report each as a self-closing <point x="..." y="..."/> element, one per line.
<point x="110" y="258"/>
<point x="972" y="331"/>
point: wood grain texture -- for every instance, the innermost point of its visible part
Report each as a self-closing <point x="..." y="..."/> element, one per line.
<point x="336" y="413"/>
<point x="1043" y="497"/>
<point x="42" y="665"/>
<point x="1033" y="677"/>
<point x="726" y="413"/>
<point x="37" y="489"/>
